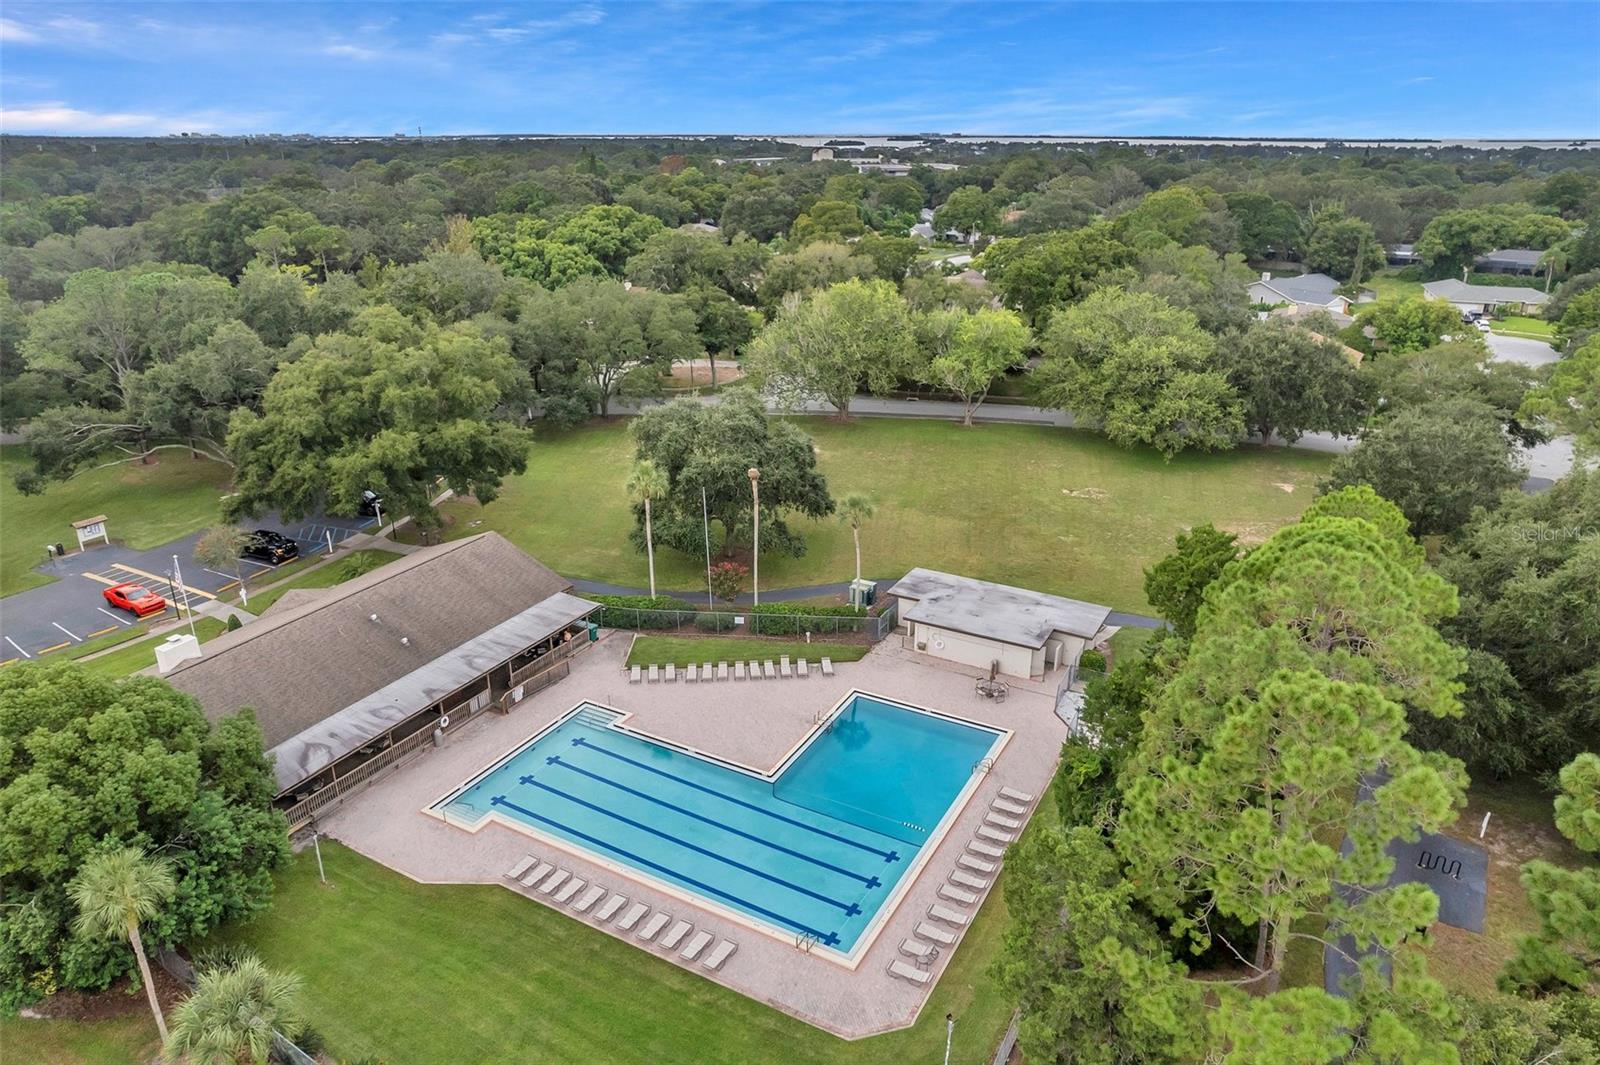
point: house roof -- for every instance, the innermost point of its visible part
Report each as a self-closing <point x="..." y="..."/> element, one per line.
<point x="298" y="666"/>
<point x="1528" y="257"/>
<point x="1317" y="289"/>
<point x="995" y="611"/>
<point x="1461" y="292"/>
<point x="1402" y="250"/>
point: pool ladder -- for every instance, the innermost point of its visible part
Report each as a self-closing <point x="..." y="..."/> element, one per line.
<point x="983" y="765"/>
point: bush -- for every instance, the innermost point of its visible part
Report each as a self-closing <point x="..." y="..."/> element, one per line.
<point x="1092" y="660"/>
<point x="794" y="619"/>
<point x="234" y="622"/>
<point x="640" y="611"/>
<point x="727" y="580"/>
<point x="717" y="622"/>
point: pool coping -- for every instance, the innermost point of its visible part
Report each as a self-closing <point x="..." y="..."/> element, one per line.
<point x="849" y="960"/>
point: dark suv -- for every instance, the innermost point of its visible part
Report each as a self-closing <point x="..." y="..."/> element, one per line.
<point x="371" y="503"/>
<point x="267" y="546"/>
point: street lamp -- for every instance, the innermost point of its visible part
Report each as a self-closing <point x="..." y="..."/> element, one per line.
<point x="755" y="518"/>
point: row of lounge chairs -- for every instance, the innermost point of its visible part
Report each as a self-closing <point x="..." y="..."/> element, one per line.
<point x="659" y="928"/>
<point x="754" y="670"/>
<point x="974" y="872"/>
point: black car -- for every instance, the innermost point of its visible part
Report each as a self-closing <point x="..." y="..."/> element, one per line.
<point x="265" y="545"/>
<point x="371" y="503"/>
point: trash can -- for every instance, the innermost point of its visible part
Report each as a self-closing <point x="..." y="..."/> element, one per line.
<point x="594" y="631"/>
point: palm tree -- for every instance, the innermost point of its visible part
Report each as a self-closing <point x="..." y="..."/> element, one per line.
<point x="855" y="511"/>
<point x="114" y="893"/>
<point x="648" y="483"/>
<point x="232" y="1013"/>
<point x="1555" y="261"/>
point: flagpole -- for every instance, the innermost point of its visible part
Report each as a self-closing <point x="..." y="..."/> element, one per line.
<point x="177" y="571"/>
<point x="705" y="522"/>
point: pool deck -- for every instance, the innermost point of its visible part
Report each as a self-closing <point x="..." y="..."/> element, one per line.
<point x="755" y="723"/>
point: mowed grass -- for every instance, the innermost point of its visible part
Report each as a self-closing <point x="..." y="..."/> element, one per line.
<point x="682" y="650"/>
<point x="146" y="506"/>
<point x="326" y="577"/>
<point x="133" y="657"/>
<point x="117" y="1041"/>
<point x="480" y="974"/>
<point x="1522" y="325"/>
<point x="1052" y="509"/>
<point x="1389" y="287"/>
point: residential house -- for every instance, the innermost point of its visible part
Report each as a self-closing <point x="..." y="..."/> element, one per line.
<point x="1513" y="299"/>
<point x="1302" y="290"/>
<point x="1509" y="261"/>
<point x="1402" y="255"/>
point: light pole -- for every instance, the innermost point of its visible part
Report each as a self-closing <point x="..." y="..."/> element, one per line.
<point x="949" y="1034"/>
<point x="755" y="520"/>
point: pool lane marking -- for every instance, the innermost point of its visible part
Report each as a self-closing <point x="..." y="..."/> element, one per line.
<point x="18" y="647"/>
<point x="869" y="881"/>
<point x="888" y="856"/>
<point x="851" y="909"/>
<point x="68" y="631"/>
<point x="830" y="938"/>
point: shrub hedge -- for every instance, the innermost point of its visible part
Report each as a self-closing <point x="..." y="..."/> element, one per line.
<point x="640" y="611"/>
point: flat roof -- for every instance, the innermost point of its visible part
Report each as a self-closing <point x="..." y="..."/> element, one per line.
<point x="313" y="749"/>
<point x="995" y="611"/>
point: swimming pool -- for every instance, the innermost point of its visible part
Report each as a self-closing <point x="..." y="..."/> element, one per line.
<point x="816" y="849"/>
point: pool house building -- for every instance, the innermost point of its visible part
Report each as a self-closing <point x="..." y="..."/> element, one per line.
<point x="349" y="680"/>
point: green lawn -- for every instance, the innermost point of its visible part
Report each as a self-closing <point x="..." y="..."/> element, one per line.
<point x="146" y="505"/>
<point x="1057" y="510"/>
<point x="326" y="577"/>
<point x="1389" y="287"/>
<point x="683" y="650"/>
<point x="136" y="656"/>
<point x="1522" y="325"/>
<point x="118" y="1041"/>
<point x="479" y="974"/>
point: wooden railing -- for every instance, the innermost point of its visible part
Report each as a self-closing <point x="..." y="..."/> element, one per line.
<point x="304" y="810"/>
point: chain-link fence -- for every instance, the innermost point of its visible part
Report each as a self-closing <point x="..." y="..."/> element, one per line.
<point x="750" y="623"/>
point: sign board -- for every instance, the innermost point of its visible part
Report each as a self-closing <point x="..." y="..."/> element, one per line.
<point x="91" y="529"/>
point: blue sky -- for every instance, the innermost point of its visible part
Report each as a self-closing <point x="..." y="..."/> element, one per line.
<point x="1461" y="69"/>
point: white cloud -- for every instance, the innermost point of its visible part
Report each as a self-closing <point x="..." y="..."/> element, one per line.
<point x="58" y="117"/>
<point x="357" y="52"/>
<point x="16" y="33"/>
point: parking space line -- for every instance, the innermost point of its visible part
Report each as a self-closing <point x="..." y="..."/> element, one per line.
<point x="161" y="579"/>
<point x="68" y="631"/>
<point x="253" y="562"/>
<point x="101" y="632"/>
<point x="19" y="649"/>
<point x="227" y="587"/>
<point x="113" y="617"/>
<point x="102" y="580"/>
<point x="55" y="647"/>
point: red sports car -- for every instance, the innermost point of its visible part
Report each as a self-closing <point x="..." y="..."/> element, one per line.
<point x="141" y="601"/>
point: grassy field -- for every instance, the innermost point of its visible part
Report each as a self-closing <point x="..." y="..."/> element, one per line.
<point x="118" y="1041"/>
<point x="1052" y="509"/>
<point x="326" y="577"/>
<point x="682" y="650"/>
<point x="1389" y="287"/>
<point x="479" y="974"/>
<point x="1523" y="326"/>
<point x="146" y="505"/>
<point x="136" y="656"/>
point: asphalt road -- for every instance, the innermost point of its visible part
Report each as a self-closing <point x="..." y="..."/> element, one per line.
<point x="72" y="609"/>
<point x="1516" y="349"/>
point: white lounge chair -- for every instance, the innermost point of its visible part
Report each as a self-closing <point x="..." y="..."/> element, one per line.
<point x="675" y="935"/>
<point x="521" y="867"/>
<point x="923" y="952"/>
<point x="654" y="674"/>
<point x="719" y="954"/>
<point x="785" y="670"/>
<point x="722" y="671"/>
<point x="1016" y="796"/>
<point x="672" y="672"/>
<point x="768" y="670"/>
<point x="635" y="675"/>
<point x="695" y="946"/>
<point x="755" y="670"/>
<point x="955" y="894"/>
<point x="554" y="880"/>
<point x="827" y="667"/>
<point x="590" y="897"/>
<point x="540" y="871"/>
<point x="977" y="865"/>
<point x="995" y="834"/>
<point x="608" y="909"/>
<point x="967" y="880"/>
<point x="934" y="934"/>
<point x="988" y="850"/>
<point x="937" y="912"/>
<point x="633" y="916"/>
<point x="803" y="668"/>
<point x="705" y="671"/>
<point x="569" y="889"/>
<point x="691" y="674"/>
<point x="1011" y="808"/>
<point x="908" y="972"/>
<point x="1002" y="821"/>
<point x="738" y="671"/>
<point x="651" y="928"/>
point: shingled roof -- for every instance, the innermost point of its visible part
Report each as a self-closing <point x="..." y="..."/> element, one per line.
<point x="300" y="665"/>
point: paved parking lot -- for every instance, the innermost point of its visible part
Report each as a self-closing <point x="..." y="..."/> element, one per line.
<point x="43" y="621"/>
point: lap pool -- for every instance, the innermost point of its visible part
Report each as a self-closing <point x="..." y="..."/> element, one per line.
<point x="815" y="850"/>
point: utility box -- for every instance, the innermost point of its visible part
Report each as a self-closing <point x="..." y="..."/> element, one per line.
<point x="862" y="593"/>
<point x="174" y="651"/>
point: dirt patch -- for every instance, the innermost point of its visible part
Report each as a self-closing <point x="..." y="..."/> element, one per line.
<point x="121" y="999"/>
<point x="1283" y="486"/>
<point x="698" y="373"/>
<point x="1084" y="493"/>
<point x="1250" y="533"/>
